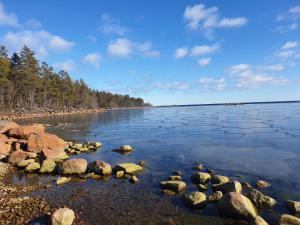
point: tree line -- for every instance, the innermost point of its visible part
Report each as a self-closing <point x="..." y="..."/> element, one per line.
<point x="26" y="85"/>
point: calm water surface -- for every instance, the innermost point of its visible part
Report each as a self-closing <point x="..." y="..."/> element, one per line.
<point x="246" y="142"/>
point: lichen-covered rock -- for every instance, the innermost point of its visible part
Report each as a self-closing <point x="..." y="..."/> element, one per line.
<point x="195" y="199"/>
<point x="293" y="207"/>
<point x="130" y="168"/>
<point x="258" y="221"/>
<point x="234" y="204"/>
<point x="286" y="219"/>
<point x="119" y="174"/>
<point x="74" y="166"/>
<point x="40" y="141"/>
<point x="262" y="184"/>
<point x="100" y="167"/>
<point x="63" y="216"/>
<point x="125" y="148"/>
<point x="216" y="196"/>
<point x="218" y="179"/>
<point x="25" y="131"/>
<point x="134" y="179"/>
<point x="25" y="162"/>
<point x="32" y="167"/>
<point x="173" y="185"/>
<point x="62" y="180"/>
<point x="259" y="199"/>
<point x="17" y="156"/>
<point x="202" y="187"/>
<point x="200" y="178"/>
<point x="231" y="186"/>
<point x="174" y="177"/>
<point x="47" y="166"/>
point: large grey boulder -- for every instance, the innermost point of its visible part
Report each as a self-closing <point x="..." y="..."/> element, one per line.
<point x="259" y="199"/>
<point x="63" y="216"/>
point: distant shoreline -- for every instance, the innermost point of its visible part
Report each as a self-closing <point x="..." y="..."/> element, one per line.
<point x="230" y="104"/>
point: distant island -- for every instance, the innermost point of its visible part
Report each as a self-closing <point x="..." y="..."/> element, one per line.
<point x="28" y="86"/>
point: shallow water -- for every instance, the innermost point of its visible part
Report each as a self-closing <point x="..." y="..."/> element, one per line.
<point x="246" y="142"/>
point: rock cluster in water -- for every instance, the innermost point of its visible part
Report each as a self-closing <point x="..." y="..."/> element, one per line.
<point x="233" y="199"/>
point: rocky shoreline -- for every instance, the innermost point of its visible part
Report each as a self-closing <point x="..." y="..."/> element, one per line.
<point x="31" y="149"/>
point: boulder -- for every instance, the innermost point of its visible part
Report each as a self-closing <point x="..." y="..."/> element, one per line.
<point x="174" y="177"/>
<point x="4" y="148"/>
<point x="173" y="185"/>
<point x="25" y="131"/>
<point x="216" y="196"/>
<point x="195" y="199"/>
<point x="218" y="179"/>
<point x="130" y="168"/>
<point x="74" y="166"/>
<point x="258" y="221"/>
<point x="25" y="162"/>
<point x="41" y="141"/>
<point x="202" y="187"/>
<point x="3" y="137"/>
<point x="47" y="166"/>
<point x="119" y="174"/>
<point x="63" y="216"/>
<point x="231" y="186"/>
<point x="54" y="154"/>
<point x="134" y="179"/>
<point x="237" y="205"/>
<point x="17" y="156"/>
<point x="100" y="167"/>
<point x="259" y="199"/>
<point x="6" y="125"/>
<point x="200" y="178"/>
<point x="262" y="184"/>
<point x="32" y="167"/>
<point x="125" y="148"/>
<point x="62" y="180"/>
<point x="293" y="207"/>
<point x="286" y="219"/>
<point x="198" y="166"/>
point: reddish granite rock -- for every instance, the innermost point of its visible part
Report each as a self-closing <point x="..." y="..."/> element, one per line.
<point x="3" y="137"/>
<point x="54" y="154"/>
<point x="6" y="125"/>
<point x="38" y="142"/>
<point x="25" y="131"/>
<point x="4" y="148"/>
<point x="74" y="166"/>
<point x="18" y="156"/>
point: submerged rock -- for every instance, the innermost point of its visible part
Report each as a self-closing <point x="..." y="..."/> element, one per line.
<point x="125" y="148"/>
<point x="218" y="179"/>
<point x="200" y="178"/>
<point x="62" y="180"/>
<point x="234" y="204"/>
<point x="293" y="207"/>
<point x="32" y="167"/>
<point x="130" y="168"/>
<point x="176" y="186"/>
<point x="259" y="199"/>
<point x="63" y="216"/>
<point x="47" y="166"/>
<point x="286" y="219"/>
<point x="174" y="177"/>
<point x="258" y="221"/>
<point x="142" y="163"/>
<point x="231" y="186"/>
<point x="134" y="179"/>
<point x="202" y="187"/>
<point x="216" y="196"/>
<point x="100" y="167"/>
<point x="195" y="199"/>
<point x="262" y="184"/>
<point x="74" y="166"/>
<point x="198" y="166"/>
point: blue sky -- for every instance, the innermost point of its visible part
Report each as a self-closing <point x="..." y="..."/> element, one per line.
<point x="167" y="52"/>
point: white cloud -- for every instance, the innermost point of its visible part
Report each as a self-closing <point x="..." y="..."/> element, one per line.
<point x="288" y="19"/>
<point x="40" y="41"/>
<point x="250" y="77"/>
<point x="209" y="83"/>
<point x="8" y="19"/>
<point x="274" y="67"/>
<point x="33" y="24"/>
<point x="200" y="50"/>
<point x="93" y="59"/>
<point x="295" y="11"/>
<point x="204" y="61"/>
<point x="146" y="49"/>
<point x="176" y="85"/>
<point x="121" y="47"/>
<point x="290" y="44"/>
<point x="112" y="25"/>
<point x="68" y="65"/>
<point x="207" y="19"/>
<point x="181" y="53"/>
